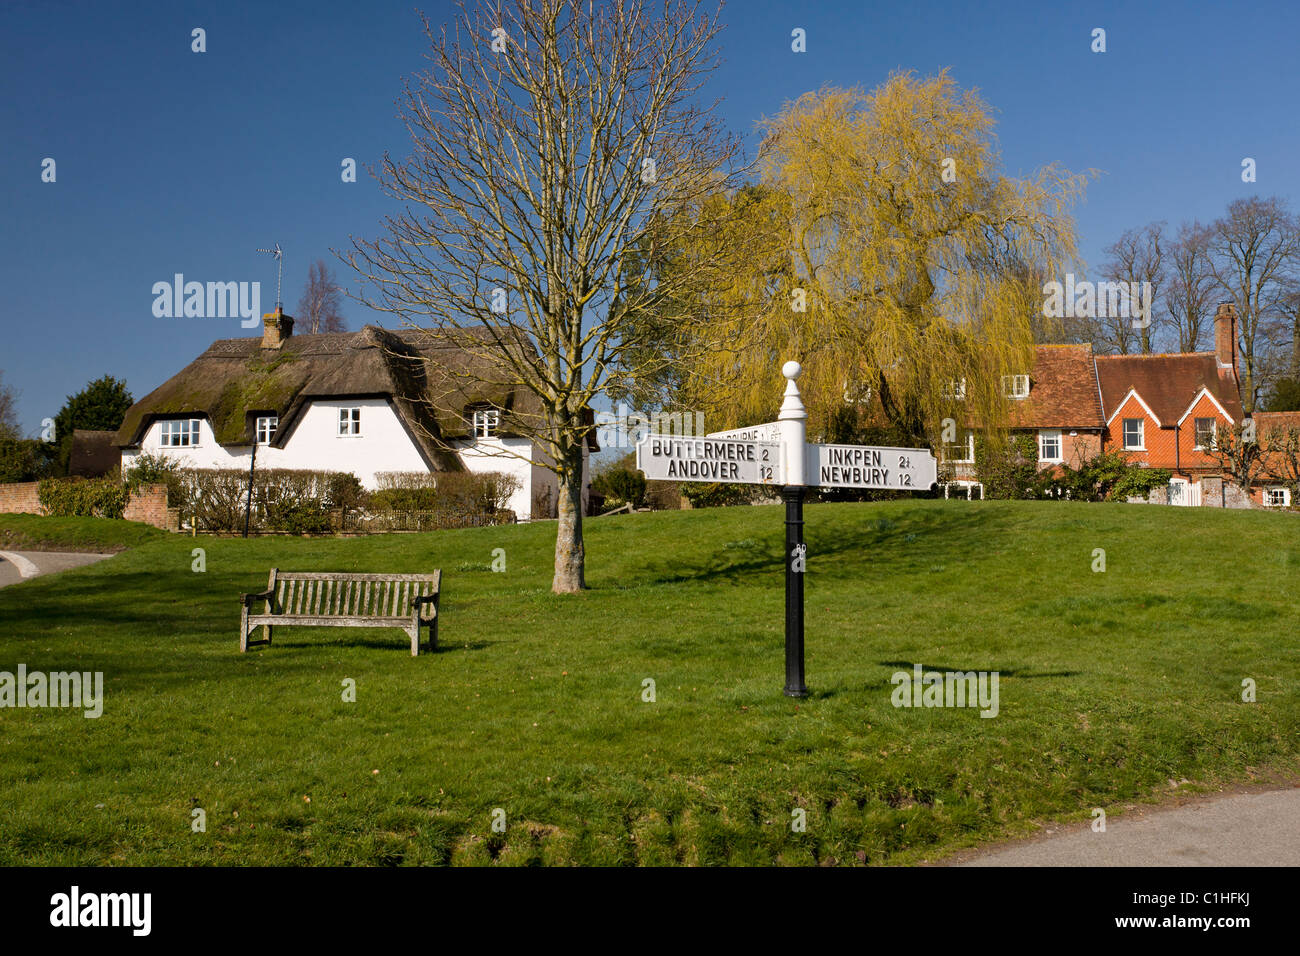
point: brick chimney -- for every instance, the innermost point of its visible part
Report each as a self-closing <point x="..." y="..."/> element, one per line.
<point x="1225" y="336"/>
<point x="276" y="329"/>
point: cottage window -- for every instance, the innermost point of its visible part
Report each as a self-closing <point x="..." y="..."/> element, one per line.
<point x="266" y="426"/>
<point x="1205" y="433"/>
<point x="486" y="422"/>
<point x="349" y="421"/>
<point x="1015" y="386"/>
<point x="1277" y="497"/>
<point x="955" y="391"/>
<point x="962" y="453"/>
<point x="180" y="434"/>
<point x="1049" y="444"/>
<point x="1133" y="435"/>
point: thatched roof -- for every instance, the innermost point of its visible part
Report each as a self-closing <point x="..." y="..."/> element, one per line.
<point x="93" y="453"/>
<point x="429" y="381"/>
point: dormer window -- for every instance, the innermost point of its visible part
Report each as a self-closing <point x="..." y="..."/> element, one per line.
<point x="1015" y="386"/>
<point x="266" y="426"/>
<point x="179" y="434"/>
<point x="486" y="422"/>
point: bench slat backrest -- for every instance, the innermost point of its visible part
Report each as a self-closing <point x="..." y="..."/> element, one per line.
<point x="317" y="594"/>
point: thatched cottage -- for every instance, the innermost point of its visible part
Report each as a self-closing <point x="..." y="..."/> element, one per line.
<point x="367" y="402"/>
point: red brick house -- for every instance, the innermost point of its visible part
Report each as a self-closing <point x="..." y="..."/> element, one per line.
<point x="1161" y="411"/>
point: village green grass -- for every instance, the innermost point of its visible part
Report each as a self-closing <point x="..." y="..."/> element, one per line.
<point x="1113" y="685"/>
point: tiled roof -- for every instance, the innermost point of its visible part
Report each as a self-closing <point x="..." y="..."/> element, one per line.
<point x="1167" y="383"/>
<point x="1062" y="390"/>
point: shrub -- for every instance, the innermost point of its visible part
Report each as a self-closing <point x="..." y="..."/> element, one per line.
<point x="80" y="497"/>
<point x="468" y="492"/>
<point x="215" y="497"/>
<point x="150" y="469"/>
<point x="25" y="459"/>
<point x="718" y="495"/>
<point x="404" y="491"/>
<point x="620" y="482"/>
<point x="1008" y="469"/>
<point x="1105" y="477"/>
<point x="344" y="491"/>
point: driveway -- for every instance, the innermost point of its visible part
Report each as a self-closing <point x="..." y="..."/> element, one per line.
<point x="16" y="566"/>
<point x="1240" y="829"/>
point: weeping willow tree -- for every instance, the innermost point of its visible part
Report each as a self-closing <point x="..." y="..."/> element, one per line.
<point x="885" y="250"/>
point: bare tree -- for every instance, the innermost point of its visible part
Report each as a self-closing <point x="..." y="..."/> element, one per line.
<point x="1282" y="457"/>
<point x="545" y="138"/>
<point x="320" y="308"/>
<point x="1190" y="294"/>
<point x="1239" y="454"/>
<point x="1254" y="251"/>
<point x="1137" y="257"/>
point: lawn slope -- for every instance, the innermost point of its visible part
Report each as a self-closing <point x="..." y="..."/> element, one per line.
<point x="1113" y="684"/>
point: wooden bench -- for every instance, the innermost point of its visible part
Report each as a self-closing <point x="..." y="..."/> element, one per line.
<point x="343" y="599"/>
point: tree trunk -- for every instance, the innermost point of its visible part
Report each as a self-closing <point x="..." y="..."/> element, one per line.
<point x="570" y="552"/>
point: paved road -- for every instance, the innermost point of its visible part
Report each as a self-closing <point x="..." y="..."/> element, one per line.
<point x="18" y="565"/>
<point x="1242" y="829"/>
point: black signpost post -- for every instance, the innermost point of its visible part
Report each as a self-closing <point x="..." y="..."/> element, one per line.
<point x="795" y="562"/>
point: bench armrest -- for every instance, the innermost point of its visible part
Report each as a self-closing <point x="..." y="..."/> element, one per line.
<point x="424" y="599"/>
<point x="248" y="599"/>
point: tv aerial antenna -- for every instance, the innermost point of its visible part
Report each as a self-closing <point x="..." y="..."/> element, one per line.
<point x="279" y="273"/>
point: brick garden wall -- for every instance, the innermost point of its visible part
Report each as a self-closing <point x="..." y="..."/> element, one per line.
<point x="148" y="505"/>
<point x="21" y="498"/>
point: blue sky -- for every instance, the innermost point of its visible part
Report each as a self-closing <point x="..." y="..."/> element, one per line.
<point x="172" y="161"/>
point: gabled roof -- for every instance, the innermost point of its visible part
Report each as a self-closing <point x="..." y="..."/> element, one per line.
<point x="236" y="379"/>
<point x="1062" y="390"/>
<point x="1166" y="383"/>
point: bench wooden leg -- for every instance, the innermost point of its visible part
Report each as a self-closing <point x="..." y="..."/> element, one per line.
<point x="268" y="634"/>
<point x="243" y="630"/>
<point x="414" y="634"/>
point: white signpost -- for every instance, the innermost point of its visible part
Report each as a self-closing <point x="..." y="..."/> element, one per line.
<point x="777" y="453"/>
<point x="676" y="458"/>
<point x="863" y="466"/>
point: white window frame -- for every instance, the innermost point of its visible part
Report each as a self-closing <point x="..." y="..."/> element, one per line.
<point x="955" y="391"/>
<point x="1015" y="386"/>
<point x="180" y="433"/>
<point x="1214" y="433"/>
<point x="1043" y="435"/>
<point x="486" y="422"/>
<point x="262" y="420"/>
<point x="969" y="445"/>
<point x="1277" y="490"/>
<point x="1142" y="434"/>
<point x="349" y="421"/>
